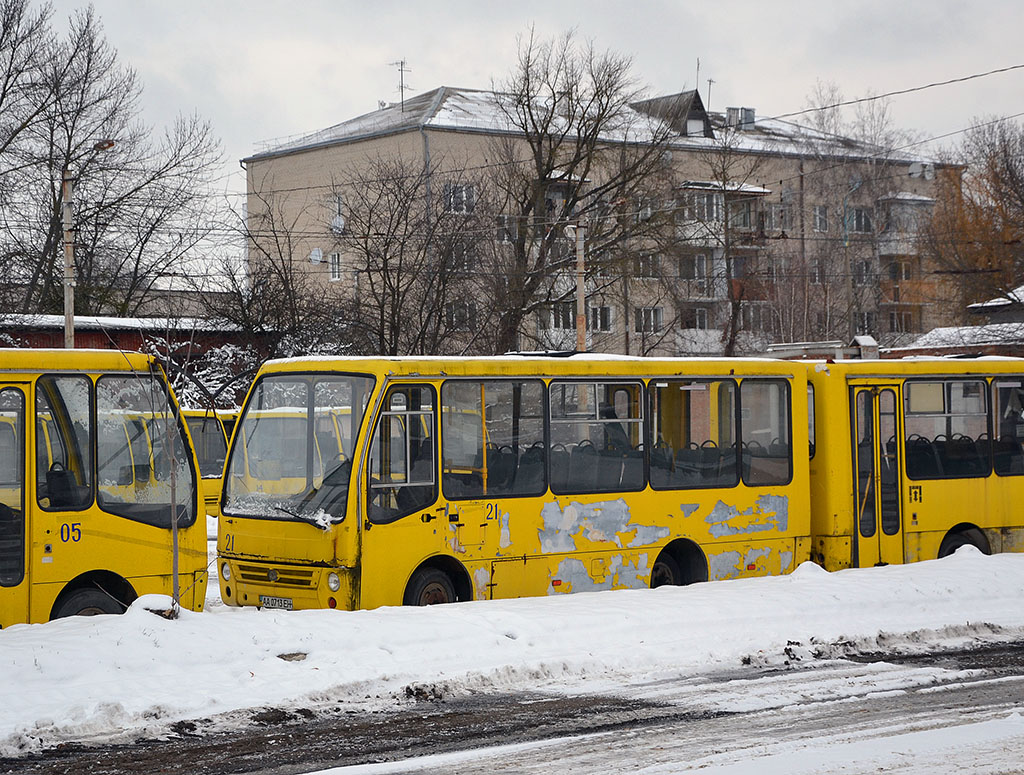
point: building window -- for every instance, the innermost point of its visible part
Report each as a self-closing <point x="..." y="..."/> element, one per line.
<point x="860" y="220"/>
<point x="506" y="228"/>
<point x="738" y="267"/>
<point x="740" y="214"/>
<point x="644" y="209"/>
<point x="560" y="315"/>
<point x="338" y="219"/>
<point x="648" y="319"/>
<point x="775" y="217"/>
<point x="817" y="271"/>
<point x="754" y="317"/>
<point x="821" y="218"/>
<point x="460" y="316"/>
<point x="901" y="322"/>
<point x="694" y="317"/>
<point x="865" y="322"/>
<point x="704" y="206"/>
<point x="899" y="270"/>
<point x="645" y="265"/>
<point x="599" y="319"/>
<point x="335" y="266"/>
<point x="460" y="258"/>
<point x="459" y="198"/>
<point x="861" y="272"/>
<point x="694" y="270"/>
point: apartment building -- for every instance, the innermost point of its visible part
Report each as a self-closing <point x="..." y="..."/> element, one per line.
<point x="741" y="231"/>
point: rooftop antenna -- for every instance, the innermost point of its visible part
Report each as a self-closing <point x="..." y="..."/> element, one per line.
<point x="697" y="79"/>
<point x="402" y="70"/>
<point x="710" y="81"/>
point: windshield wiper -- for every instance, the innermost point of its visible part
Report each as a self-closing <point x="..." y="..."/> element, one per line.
<point x="303" y="518"/>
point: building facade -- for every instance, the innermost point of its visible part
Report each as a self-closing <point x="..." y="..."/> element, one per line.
<point x="443" y="228"/>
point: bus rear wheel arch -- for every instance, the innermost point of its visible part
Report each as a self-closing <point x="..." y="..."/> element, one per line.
<point x="678" y="564"/>
<point x="439" y="580"/>
<point x="964" y="535"/>
<point x="94" y="594"/>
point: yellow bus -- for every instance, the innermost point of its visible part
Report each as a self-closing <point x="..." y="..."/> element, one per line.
<point x="97" y="485"/>
<point x="915" y="458"/>
<point x="210" y="433"/>
<point x="362" y="482"/>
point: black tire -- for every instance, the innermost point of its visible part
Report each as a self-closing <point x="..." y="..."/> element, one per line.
<point x="88" y="602"/>
<point x="429" y="586"/>
<point x="666" y="572"/>
<point x="972" y="537"/>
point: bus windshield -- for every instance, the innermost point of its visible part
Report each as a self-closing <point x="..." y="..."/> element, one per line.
<point x="292" y="454"/>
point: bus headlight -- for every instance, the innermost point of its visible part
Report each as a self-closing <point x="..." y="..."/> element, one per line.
<point x="225" y="571"/>
<point x="333" y="582"/>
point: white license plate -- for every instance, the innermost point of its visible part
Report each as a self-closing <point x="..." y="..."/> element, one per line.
<point x="284" y="603"/>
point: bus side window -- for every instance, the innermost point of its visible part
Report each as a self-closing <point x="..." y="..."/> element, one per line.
<point x="62" y="407"/>
<point x="764" y="432"/>
<point x="694" y="434"/>
<point x="810" y="418"/>
<point x="1008" y="415"/>
<point x="402" y="469"/>
<point x="12" y="487"/>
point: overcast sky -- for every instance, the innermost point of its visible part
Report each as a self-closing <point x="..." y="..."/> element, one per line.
<point x="260" y="70"/>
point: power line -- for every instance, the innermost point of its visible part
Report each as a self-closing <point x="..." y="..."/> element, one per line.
<point x="899" y="92"/>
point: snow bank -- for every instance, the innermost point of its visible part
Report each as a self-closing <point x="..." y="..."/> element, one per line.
<point x="122" y="677"/>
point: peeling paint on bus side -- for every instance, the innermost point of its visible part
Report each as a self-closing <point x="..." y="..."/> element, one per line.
<point x="770" y="512"/>
<point x="605" y="521"/>
<point x="724" y="565"/>
<point x="505" y="536"/>
<point x="688" y="509"/>
<point x="481" y="578"/>
<point x="618" y="574"/>
<point x="733" y="564"/>
<point x="785" y="562"/>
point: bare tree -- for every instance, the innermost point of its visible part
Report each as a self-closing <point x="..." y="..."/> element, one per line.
<point x="577" y="152"/>
<point x="412" y="246"/>
<point x="977" y="233"/>
<point x="275" y="297"/>
<point x="25" y="42"/>
<point x="141" y="205"/>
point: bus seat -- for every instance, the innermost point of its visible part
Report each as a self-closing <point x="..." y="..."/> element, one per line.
<point x="559" y="467"/>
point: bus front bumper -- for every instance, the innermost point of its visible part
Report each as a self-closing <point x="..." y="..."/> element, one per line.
<point x="283" y="586"/>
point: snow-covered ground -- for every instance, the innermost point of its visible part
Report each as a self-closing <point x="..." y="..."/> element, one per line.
<point x="109" y="678"/>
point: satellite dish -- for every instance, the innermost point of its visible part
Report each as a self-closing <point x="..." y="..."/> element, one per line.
<point x="916" y="169"/>
<point x="316" y="256"/>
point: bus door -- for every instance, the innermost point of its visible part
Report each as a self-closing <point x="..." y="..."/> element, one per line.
<point x="13" y="440"/>
<point x="403" y="522"/>
<point x="878" y="476"/>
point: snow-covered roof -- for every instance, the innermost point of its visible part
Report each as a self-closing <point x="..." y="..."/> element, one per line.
<point x="1016" y="296"/>
<point x="908" y="197"/>
<point x="99" y="323"/>
<point x="450" y="108"/>
<point x="730" y="186"/>
<point x="993" y="333"/>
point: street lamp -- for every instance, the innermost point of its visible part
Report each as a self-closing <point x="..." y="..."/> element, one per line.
<point x="67" y="196"/>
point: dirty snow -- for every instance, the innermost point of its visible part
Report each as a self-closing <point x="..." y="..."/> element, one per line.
<point x="111" y="678"/>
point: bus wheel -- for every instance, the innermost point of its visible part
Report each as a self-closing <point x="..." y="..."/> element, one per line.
<point x="88" y="602"/>
<point x="429" y="586"/>
<point x="666" y="572"/>
<point x="970" y="537"/>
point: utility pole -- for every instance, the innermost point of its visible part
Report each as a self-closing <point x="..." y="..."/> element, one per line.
<point x="67" y="195"/>
<point x="69" y="262"/>
<point x="579" y="232"/>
